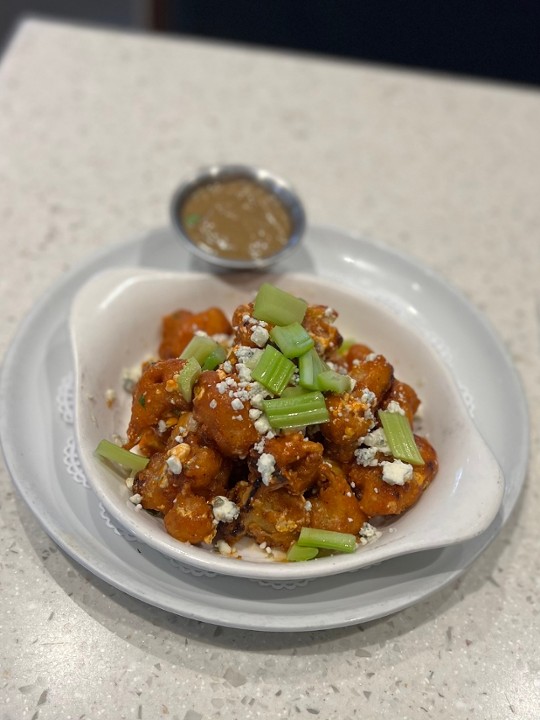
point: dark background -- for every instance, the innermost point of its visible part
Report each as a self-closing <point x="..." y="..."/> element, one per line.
<point x="497" y="39"/>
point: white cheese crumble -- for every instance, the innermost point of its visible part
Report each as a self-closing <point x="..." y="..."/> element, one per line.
<point x="262" y="425"/>
<point x="224" y="510"/>
<point x="368" y="533"/>
<point x="174" y="465"/>
<point x="213" y="404"/>
<point x="224" y="548"/>
<point x="161" y="426"/>
<point x="396" y="472"/>
<point x="367" y="457"/>
<point x="255" y="414"/>
<point x="395" y="407"/>
<point x="368" y="397"/>
<point x="265" y="465"/>
<point x="308" y="506"/>
<point x="237" y="404"/>
<point x="377" y="439"/>
<point x="260" y="336"/>
<point x="227" y="366"/>
<point x="136" y="499"/>
<point x="244" y="373"/>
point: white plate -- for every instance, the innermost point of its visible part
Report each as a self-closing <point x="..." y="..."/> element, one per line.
<point x="71" y="514"/>
<point x="115" y="323"/>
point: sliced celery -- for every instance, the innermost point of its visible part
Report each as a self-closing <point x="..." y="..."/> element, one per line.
<point x="273" y="370"/>
<point x="199" y="347"/>
<point x="310" y="365"/>
<point x="216" y="357"/>
<point x="294" y="391"/>
<point x="119" y="455"/>
<point x="277" y="306"/>
<point x="316" y="538"/>
<point x="187" y="377"/>
<point x="293" y="340"/>
<point x="400" y="438"/>
<point x="297" y="553"/>
<point x="296" y="411"/>
<point x="332" y="381"/>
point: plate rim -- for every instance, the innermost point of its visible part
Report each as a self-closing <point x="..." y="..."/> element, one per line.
<point x="25" y="489"/>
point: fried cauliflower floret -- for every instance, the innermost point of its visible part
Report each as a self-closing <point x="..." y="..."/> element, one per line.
<point x="155" y="397"/>
<point x="244" y="324"/>
<point x="352" y="414"/>
<point x="406" y="398"/>
<point x="190" y="519"/>
<point x="297" y="461"/>
<point x="179" y="327"/>
<point x="319" y="322"/>
<point x="335" y="507"/>
<point x="223" y="422"/>
<point x="378" y="498"/>
<point x="275" y="517"/>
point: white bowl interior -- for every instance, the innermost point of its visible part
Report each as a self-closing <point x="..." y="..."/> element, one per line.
<point x="115" y="323"/>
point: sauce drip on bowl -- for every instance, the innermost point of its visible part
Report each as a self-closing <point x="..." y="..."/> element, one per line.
<point x="238" y="219"/>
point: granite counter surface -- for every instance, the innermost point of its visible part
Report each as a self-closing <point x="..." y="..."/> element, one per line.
<point x="96" y="129"/>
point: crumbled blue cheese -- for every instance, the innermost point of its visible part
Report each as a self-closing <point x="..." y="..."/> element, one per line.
<point x="227" y="366"/>
<point x="396" y="472"/>
<point x="308" y="506"/>
<point x="244" y="373"/>
<point x="371" y="357"/>
<point x="255" y="414"/>
<point x="135" y="499"/>
<point x="395" y="407"/>
<point x="368" y="533"/>
<point x="262" y="425"/>
<point x="224" y="548"/>
<point x="377" y="439"/>
<point x="237" y="404"/>
<point x="162" y="426"/>
<point x="224" y="510"/>
<point x="265" y="465"/>
<point x="174" y="465"/>
<point x="368" y="397"/>
<point x="367" y="457"/>
<point x="260" y="336"/>
<point x="213" y="404"/>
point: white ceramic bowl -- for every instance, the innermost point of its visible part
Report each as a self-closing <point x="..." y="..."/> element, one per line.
<point x="115" y="323"/>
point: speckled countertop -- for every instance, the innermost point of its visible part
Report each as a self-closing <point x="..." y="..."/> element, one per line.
<point x="96" y="128"/>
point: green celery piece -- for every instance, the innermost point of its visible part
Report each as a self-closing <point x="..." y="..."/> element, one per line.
<point x="293" y="340"/>
<point x="216" y="357"/>
<point x="273" y="370"/>
<point x="332" y="381"/>
<point x="297" y="553"/>
<point x="294" y="391"/>
<point x="187" y="377"/>
<point x="311" y="365"/>
<point x="199" y="347"/>
<point x="277" y="306"/>
<point x="400" y="438"/>
<point x="314" y="537"/>
<point x="296" y="410"/>
<point x="119" y="455"/>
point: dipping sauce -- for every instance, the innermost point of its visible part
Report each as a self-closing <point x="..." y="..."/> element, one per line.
<point x="237" y="219"/>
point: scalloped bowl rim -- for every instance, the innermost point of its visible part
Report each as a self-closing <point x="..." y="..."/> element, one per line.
<point x="114" y="323"/>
